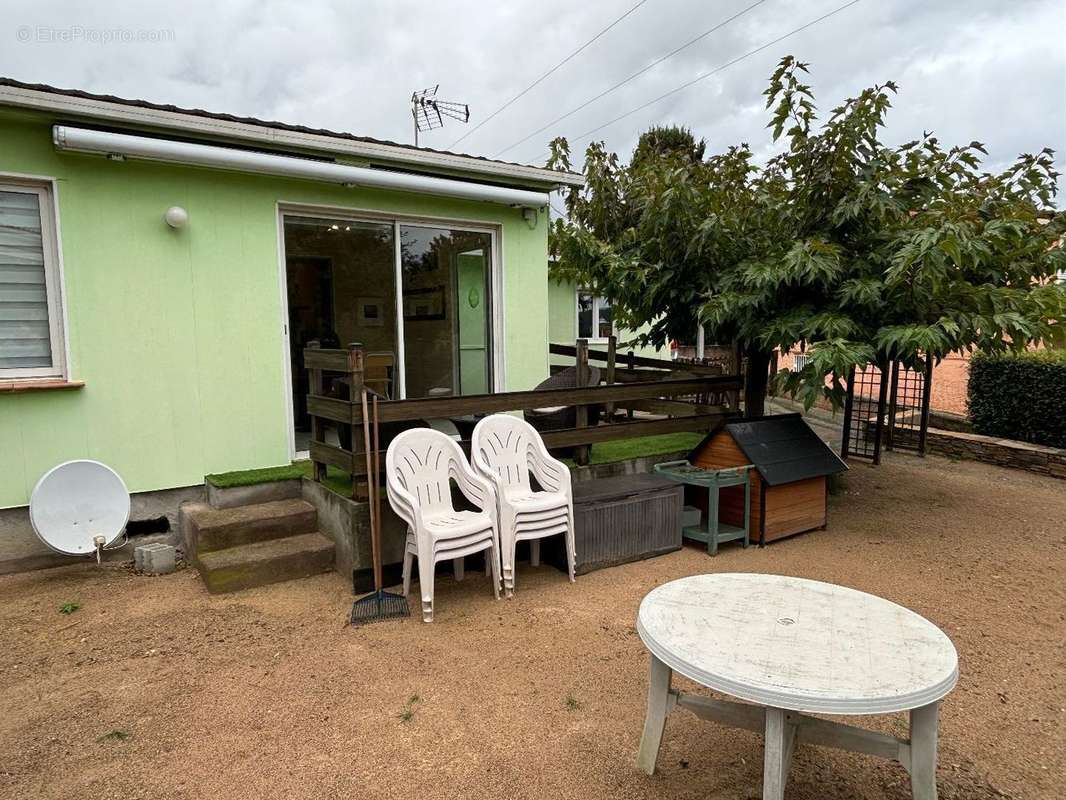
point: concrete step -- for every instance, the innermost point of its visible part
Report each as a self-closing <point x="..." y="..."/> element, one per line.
<point x="271" y="561"/>
<point x="233" y="496"/>
<point x="212" y="529"/>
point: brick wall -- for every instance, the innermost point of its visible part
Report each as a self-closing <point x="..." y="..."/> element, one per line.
<point x="950" y="379"/>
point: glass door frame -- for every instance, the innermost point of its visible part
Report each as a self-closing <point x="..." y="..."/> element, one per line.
<point x="348" y="214"/>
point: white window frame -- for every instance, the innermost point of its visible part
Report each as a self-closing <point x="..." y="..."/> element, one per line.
<point x="48" y="202"/>
<point x="595" y="317"/>
<point x="283" y="209"/>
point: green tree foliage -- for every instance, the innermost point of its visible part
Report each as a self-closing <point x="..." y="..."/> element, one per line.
<point x="865" y="252"/>
<point x="666" y="141"/>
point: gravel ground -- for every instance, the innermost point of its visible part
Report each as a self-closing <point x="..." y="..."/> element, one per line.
<point x="154" y="689"/>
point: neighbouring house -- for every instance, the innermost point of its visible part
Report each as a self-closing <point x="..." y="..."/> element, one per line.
<point x="575" y="312"/>
<point x="162" y="269"/>
<point x="950" y="378"/>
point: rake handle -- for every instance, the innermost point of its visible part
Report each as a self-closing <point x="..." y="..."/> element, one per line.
<point x="370" y="488"/>
<point x="375" y="531"/>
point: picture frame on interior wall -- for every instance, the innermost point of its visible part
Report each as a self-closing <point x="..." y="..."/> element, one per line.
<point x="424" y="304"/>
<point x="371" y="312"/>
<point x="30" y="219"/>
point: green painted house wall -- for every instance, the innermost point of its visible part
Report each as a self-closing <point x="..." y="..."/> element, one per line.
<point x="178" y="334"/>
<point x="562" y="323"/>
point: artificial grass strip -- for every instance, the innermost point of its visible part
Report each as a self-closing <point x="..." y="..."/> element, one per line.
<point x="251" y="477"/>
<point x="336" y="480"/>
<point x="341" y="483"/>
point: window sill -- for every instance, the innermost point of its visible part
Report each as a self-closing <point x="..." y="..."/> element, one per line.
<point x="38" y="385"/>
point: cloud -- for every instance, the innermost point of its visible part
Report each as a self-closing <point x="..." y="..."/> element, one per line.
<point x="968" y="70"/>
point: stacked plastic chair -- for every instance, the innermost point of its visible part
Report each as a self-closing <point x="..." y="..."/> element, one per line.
<point x="419" y="465"/>
<point x="506" y="450"/>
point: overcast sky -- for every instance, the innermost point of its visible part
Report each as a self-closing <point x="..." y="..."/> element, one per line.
<point x="967" y="69"/>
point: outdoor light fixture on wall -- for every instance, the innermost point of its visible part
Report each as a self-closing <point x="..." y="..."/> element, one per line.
<point x="176" y="217"/>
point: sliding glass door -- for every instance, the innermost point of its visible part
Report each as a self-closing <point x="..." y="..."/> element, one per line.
<point x="446" y="333"/>
<point x="416" y="296"/>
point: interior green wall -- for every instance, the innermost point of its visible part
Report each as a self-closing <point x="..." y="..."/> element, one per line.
<point x="178" y="334"/>
<point x="562" y="323"/>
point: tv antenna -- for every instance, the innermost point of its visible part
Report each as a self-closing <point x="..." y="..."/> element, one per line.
<point x="429" y="112"/>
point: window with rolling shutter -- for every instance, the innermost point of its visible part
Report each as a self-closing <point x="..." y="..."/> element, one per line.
<point x="30" y="322"/>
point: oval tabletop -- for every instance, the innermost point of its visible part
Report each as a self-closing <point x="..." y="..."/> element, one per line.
<point x="797" y="644"/>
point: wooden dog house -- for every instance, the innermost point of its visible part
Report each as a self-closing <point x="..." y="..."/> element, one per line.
<point x="789" y="485"/>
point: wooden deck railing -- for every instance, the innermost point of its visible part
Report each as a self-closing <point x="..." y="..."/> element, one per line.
<point x="671" y="405"/>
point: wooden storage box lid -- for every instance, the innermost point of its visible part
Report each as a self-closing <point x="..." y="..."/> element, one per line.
<point x="603" y="489"/>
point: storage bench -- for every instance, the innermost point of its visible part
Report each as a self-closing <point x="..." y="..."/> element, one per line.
<point x="621" y="519"/>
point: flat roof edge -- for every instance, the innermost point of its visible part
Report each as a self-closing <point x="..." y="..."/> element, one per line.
<point x="188" y="121"/>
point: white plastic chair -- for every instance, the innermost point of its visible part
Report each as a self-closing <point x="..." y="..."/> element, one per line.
<point x="419" y="465"/>
<point x="506" y="449"/>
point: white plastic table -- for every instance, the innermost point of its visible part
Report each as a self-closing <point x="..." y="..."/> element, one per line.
<point x="787" y="646"/>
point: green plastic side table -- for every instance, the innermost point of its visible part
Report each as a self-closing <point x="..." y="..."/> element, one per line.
<point x="712" y="532"/>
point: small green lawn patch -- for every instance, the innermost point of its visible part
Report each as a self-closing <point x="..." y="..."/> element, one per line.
<point x="69" y="608"/>
<point x="625" y="449"/>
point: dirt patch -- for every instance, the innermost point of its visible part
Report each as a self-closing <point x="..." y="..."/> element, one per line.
<point x="154" y="689"/>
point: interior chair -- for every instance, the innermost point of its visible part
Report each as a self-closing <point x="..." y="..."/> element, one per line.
<point x="419" y="467"/>
<point x="379" y="372"/>
<point x="507" y="450"/>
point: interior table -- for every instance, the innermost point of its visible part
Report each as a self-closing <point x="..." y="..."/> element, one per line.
<point x="791" y="647"/>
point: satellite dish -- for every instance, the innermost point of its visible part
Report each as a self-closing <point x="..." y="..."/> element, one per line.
<point x="79" y="507"/>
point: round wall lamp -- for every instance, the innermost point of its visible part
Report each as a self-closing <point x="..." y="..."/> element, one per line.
<point x="176" y="217"/>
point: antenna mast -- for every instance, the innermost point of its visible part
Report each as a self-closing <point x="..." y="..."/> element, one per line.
<point x="428" y="112"/>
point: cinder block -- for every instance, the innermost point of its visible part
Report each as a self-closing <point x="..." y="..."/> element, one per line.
<point x="138" y="556"/>
<point x="157" y="558"/>
<point x="162" y="560"/>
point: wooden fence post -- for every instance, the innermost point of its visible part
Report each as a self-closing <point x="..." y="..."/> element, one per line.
<point x="631" y="360"/>
<point x="581" y="452"/>
<point x="739" y="371"/>
<point x="317" y="431"/>
<point x="612" y="344"/>
<point x="356" y="364"/>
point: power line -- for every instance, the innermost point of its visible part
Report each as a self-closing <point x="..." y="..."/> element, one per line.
<point x="546" y="74"/>
<point x="636" y="74"/>
<point x="714" y="71"/>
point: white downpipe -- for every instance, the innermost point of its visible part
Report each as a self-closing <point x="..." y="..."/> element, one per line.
<point x="700" y="345"/>
<point x="82" y="140"/>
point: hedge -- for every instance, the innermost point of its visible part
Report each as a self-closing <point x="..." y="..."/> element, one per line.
<point x="1020" y="396"/>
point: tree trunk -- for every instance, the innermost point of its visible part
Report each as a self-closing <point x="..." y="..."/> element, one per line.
<point x="755" y="383"/>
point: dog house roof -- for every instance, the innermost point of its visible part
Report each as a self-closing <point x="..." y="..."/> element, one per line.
<point x="783" y="448"/>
